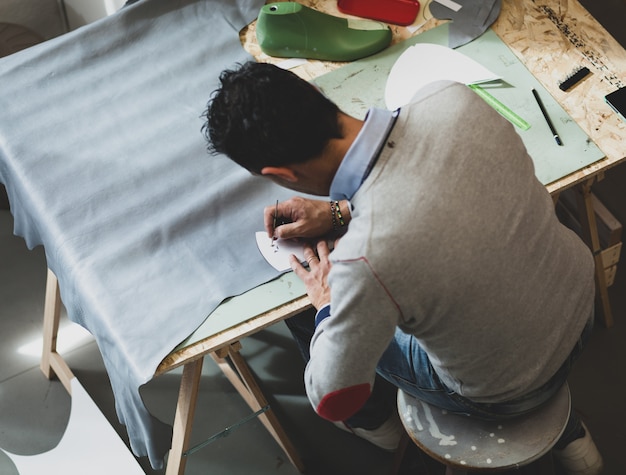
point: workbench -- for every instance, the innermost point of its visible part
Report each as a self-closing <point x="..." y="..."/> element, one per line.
<point x="551" y="38"/>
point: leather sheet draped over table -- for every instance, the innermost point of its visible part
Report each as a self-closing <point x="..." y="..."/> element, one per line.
<point x="105" y="166"/>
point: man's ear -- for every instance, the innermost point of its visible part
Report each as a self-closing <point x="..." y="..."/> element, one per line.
<point x="284" y="173"/>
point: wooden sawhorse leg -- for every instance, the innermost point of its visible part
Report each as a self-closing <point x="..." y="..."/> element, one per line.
<point x="590" y="235"/>
<point x="183" y="421"/>
<point x="242" y="379"/>
<point x="51" y="362"/>
<point x="245" y="383"/>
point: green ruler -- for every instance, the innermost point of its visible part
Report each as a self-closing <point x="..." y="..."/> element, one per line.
<point x="501" y="108"/>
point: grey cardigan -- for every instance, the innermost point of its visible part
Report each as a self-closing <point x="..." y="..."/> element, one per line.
<point x="454" y="240"/>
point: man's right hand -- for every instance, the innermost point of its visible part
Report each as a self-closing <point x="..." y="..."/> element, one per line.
<point x="303" y="218"/>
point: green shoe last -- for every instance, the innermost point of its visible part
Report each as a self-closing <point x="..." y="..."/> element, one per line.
<point x="291" y="30"/>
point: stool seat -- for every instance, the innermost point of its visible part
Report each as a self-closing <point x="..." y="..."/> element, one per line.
<point x="470" y="444"/>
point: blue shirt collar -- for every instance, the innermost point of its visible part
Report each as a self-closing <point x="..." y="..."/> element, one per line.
<point x="362" y="154"/>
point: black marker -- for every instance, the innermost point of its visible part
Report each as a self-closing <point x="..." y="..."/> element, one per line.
<point x="545" y="116"/>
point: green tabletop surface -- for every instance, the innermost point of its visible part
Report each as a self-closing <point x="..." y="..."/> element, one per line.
<point x="360" y="85"/>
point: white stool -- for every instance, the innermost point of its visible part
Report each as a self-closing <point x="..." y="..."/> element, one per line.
<point x="466" y="444"/>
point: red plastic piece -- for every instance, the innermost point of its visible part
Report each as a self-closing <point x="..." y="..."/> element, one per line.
<point x="398" y="12"/>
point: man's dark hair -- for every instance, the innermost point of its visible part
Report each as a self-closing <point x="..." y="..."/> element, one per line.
<point x="262" y="115"/>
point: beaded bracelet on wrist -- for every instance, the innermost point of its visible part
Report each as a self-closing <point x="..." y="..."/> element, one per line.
<point x="336" y="216"/>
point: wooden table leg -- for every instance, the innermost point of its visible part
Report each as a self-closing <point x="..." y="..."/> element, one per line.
<point x="51" y="362"/>
<point x="590" y="235"/>
<point x="243" y="380"/>
<point x="183" y="421"/>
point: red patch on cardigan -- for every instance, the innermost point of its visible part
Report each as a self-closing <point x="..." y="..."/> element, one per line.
<point x="341" y="404"/>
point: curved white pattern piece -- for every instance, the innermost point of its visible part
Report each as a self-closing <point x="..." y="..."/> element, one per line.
<point x="89" y="445"/>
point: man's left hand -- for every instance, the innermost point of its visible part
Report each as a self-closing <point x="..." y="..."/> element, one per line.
<point x="316" y="277"/>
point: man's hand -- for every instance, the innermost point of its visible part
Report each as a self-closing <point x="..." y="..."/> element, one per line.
<point x="316" y="278"/>
<point x="302" y="218"/>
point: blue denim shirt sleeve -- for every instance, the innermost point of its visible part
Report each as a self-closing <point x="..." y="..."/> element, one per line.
<point x="362" y="154"/>
<point x="322" y="314"/>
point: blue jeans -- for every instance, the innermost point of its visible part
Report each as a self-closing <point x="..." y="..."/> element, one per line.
<point x="406" y="365"/>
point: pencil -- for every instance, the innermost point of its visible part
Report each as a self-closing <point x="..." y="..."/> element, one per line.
<point x="547" y="117"/>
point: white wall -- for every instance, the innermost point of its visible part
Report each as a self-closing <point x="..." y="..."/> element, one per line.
<point x="81" y="12"/>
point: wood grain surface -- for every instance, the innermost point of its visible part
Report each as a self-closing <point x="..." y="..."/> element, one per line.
<point x="552" y="38"/>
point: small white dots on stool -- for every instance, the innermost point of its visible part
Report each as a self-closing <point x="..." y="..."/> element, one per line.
<point x="447" y="456"/>
<point x="492" y="435"/>
<point x="501" y="441"/>
<point x="473" y="448"/>
<point x="488" y="460"/>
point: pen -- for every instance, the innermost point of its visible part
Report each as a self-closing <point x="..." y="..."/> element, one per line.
<point x="275" y="217"/>
<point x="545" y="116"/>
